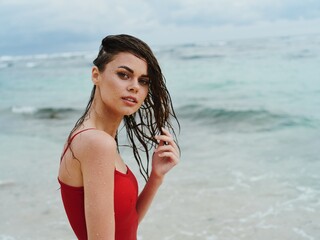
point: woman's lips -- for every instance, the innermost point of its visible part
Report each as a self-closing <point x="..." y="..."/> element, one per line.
<point x="130" y="100"/>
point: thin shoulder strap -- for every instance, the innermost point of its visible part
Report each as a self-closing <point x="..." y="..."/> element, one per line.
<point x="70" y="140"/>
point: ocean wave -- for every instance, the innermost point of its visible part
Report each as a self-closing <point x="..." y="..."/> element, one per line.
<point x="243" y="120"/>
<point x="61" y="55"/>
<point x="47" y="60"/>
<point x="5" y="65"/>
<point x="24" y="110"/>
<point x="201" y="56"/>
<point x="31" y="64"/>
<point x="6" y="183"/>
<point x="303" y="54"/>
<point x="45" y="113"/>
<point x="218" y="118"/>
<point x="6" y="237"/>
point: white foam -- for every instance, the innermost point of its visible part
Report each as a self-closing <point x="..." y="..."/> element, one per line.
<point x="31" y="64"/>
<point x="6" y="237"/>
<point x="25" y="110"/>
<point x="263" y="225"/>
<point x="259" y="215"/>
<point x="6" y="58"/>
<point x="303" y="234"/>
<point x="37" y="57"/>
<point x="261" y="177"/>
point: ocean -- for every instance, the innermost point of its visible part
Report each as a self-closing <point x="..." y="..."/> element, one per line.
<point x="250" y="136"/>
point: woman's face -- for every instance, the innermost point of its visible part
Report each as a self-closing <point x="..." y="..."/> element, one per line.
<point x="124" y="83"/>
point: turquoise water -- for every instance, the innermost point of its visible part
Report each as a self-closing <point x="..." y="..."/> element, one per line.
<point x="249" y="111"/>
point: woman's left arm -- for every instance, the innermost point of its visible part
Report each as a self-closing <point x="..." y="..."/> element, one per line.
<point x="165" y="157"/>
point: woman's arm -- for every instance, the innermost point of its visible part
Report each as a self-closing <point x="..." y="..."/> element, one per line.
<point x="147" y="195"/>
<point x="97" y="154"/>
<point x="165" y="157"/>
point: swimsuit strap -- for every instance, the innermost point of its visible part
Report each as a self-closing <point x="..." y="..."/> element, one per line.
<point x="70" y="140"/>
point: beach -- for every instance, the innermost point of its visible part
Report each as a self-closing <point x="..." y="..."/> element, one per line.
<point x="250" y="137"/>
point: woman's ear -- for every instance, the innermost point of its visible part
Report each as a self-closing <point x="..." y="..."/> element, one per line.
<point x="95" y="75"/>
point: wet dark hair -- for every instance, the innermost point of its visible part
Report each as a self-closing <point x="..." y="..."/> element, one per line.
<point x="157" y="109"/>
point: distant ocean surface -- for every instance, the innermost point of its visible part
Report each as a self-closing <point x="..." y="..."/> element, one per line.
<point x="250" y="137"/>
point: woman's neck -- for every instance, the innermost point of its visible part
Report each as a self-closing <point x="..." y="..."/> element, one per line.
<point x="103" y="119"/>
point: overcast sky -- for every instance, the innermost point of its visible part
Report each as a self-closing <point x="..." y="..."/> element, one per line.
<point x="42" y="26"/>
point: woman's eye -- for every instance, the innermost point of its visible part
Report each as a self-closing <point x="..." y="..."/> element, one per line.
<point x="144" y="81"/>
<point x="123" y="75"/>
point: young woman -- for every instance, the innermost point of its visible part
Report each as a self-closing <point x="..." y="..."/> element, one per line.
<point x="99" y="192"/>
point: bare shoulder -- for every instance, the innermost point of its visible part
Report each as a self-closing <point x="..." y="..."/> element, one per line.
<point x="93" y="143"/>
<point x="94" y="137"/>
<point x="96" y="152"/>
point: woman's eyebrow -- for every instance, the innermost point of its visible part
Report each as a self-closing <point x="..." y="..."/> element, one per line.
<point x="131" y="71"/>
<point x="127" y="68"/>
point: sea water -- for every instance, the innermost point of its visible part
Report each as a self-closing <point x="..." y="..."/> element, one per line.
<point x="250" y="136"/>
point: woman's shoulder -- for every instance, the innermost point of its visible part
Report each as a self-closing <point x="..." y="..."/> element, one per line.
<point x="94" y="141"/>
<point x="95" y="135"/>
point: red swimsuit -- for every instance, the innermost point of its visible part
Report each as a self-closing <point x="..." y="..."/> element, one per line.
<point x="125" y="199"/>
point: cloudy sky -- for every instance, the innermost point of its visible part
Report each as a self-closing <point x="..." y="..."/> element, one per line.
<point x="43" y="26"/>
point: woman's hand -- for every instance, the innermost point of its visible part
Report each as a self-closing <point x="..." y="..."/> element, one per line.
<point x="165" y="156"/>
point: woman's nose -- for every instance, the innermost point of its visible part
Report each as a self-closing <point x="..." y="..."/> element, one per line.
<point x="134" y="86"/>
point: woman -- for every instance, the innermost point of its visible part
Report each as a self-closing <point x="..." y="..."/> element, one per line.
<point x="99" y="192"/>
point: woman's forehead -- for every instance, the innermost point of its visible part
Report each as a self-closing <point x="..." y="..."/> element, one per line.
<point x="129" y="60"/>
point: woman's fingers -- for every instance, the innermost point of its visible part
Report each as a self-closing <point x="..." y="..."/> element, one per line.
<point x="166" y="155"/>
<point x="169" y="155"/>
<point x="166" y="138"/>
<point x="165" y="131"/>
<point x="167" y="144"/>
<point x="165" y="148"/>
